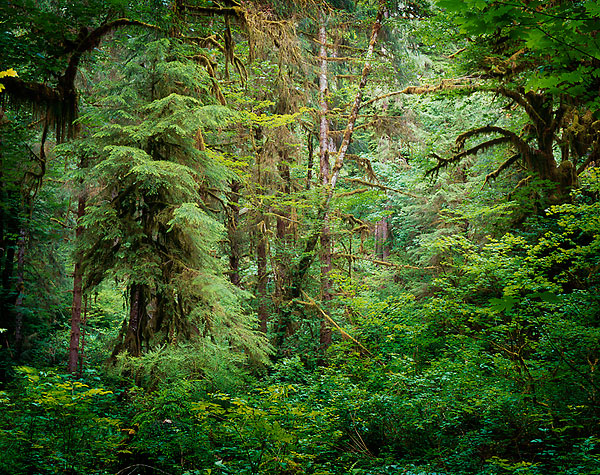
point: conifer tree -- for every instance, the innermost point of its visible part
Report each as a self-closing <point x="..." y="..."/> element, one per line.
<point x="146" y="223"/>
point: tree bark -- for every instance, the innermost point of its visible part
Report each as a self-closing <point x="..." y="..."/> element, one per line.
<point x="20" y="291"/>
<point x="77" y="296"/>
<point x="382" y="250"/>
<point x="325" y="147"/>
<point x="300" y="270"/>
<point x="137" y="315"/>
<point x="233" y="216"/>
<point x="261" y="256"/>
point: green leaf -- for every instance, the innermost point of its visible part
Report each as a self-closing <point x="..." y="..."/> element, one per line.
<point x="505" y="304"/>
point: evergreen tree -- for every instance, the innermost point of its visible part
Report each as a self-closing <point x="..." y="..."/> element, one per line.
<point x="147" y="223"/>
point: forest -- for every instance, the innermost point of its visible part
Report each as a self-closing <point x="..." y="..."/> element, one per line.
<point x="300" y="237"/>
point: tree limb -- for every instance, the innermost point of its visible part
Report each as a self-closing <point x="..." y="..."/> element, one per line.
<point x="446" y="84"/>
<point x="493" y="175"/>
<point x="383" y="187"/>
<point x="314" y="304"/>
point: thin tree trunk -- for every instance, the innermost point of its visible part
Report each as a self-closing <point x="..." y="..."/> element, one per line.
<point x="300" y="270"/>
<point x="311" y="158"/>
<point x="283" y="227"/>
<point x="323" y="105"/>
<point x="325" y="147"/>
<point x="261" y="256"/>
<point x="382" y="250"/>
<point x="233" y="233"/>
<point x="21" y="291"/>
<point x="83" y="329"/>
<point x="7" y="296"/>
<point x="77" y="296"/>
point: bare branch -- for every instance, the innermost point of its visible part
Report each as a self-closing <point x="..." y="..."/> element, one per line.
<point x="314" y="304"/>
<point x="384" y="263"/>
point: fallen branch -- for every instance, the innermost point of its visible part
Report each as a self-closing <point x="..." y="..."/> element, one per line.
<point x="312" y="303"/>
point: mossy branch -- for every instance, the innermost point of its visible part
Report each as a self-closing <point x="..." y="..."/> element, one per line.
<point x="384" y="188"/>
<point x="444" y="162"/>
<point x="445" y="85"/>
<point x="493" y="175"/>
<point x="384" y="263"/>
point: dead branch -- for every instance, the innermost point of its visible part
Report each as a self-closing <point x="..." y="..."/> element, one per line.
<point x="353" y="192"/>
<point x="455" y="53"/>
<point x="312" y="303"/>
<point x="445" y="85"/>
<point x="338" y="59"/>
<point x="210" y="11"/>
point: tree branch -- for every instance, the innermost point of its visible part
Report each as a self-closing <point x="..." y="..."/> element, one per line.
<point x="446" y="84"/>
<point x="493" y="175"/>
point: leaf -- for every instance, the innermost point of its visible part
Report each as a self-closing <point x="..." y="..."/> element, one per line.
<point x="8" y="73"/>
<point x="503" y="304"/>
<point x="547" y="296"/>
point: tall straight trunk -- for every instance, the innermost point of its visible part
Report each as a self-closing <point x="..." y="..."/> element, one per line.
<point x="77" y="296"/>
<point x="7" y="296"/>
<point x="261" y="290"/>
<point x="283" y="227"/>
<point x="323" y="105"/>
<point x="21" y="291"/>
<point x="325" y="147"/>
<point x="286" y="326"/>
<point x="233" y="216"/>
<point x="382" y="250"/>
<point x="311" y="159"/>
<point x="300" y="270"/>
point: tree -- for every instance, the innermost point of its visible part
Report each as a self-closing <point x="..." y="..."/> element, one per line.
<point x="542" y="58"/>
<point x="61" y="35"/>
<point x="146" y="222"/>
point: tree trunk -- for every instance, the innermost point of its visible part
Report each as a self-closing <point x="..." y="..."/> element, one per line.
<point x="382" y="250"/>
<point x="261" y="256"/>
<point x="299" y="272"/>
<point x="7" y="297"/>
<point x="77" y="296"/>
<point x="20" y="291"/>
<point x="233" y="216"/>
<point x="311" y="158"/>
<point x="137" y="316"/>
<point x="283" y="228"/>
<point x="325" y="147"/>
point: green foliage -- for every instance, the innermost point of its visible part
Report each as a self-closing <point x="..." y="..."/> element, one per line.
<point x="51" y="423"/>
<point x="271" y="430"/>
<point x="557" y="37"/>
<point x="472" y="348"/>
<point x="148" y="225"/>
